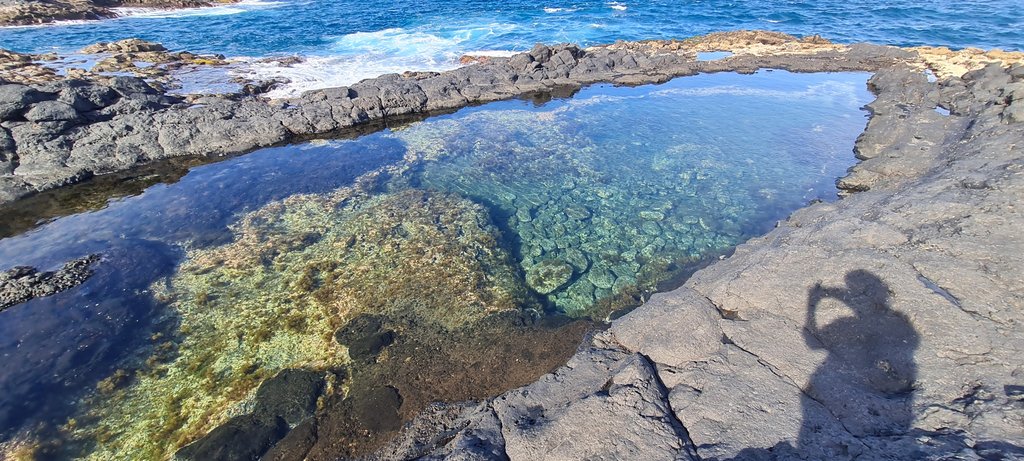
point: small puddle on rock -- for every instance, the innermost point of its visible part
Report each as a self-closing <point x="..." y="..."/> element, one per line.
<point x="450" y="259"/>
<point x="712" y="55"/>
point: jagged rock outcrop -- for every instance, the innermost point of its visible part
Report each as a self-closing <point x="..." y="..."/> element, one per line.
<point x="141" y="125"/>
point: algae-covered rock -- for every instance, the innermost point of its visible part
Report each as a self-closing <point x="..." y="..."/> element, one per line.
<point x="573" y="203"/>
<point x="241" y="438"/>
<point x="548" y="275"/>
<point x="601" y="277"/>
<point x="272" y="299"/>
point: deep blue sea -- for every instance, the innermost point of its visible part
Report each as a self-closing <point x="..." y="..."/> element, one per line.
<point x="346" y="41"/>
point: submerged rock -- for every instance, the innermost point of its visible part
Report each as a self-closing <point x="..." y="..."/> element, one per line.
<point x="365" y="337"/>
<point x="272" y="301"/>
<point x="291" y="395"/>
<point x="601" y="277"/>
<point x="242" y="438"/>
<point x="22" y="283"/>
<point x="548" y="275"/>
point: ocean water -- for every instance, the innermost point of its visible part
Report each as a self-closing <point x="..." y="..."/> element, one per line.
<point x="346" y="41"/>
<point x="569" y="208"/>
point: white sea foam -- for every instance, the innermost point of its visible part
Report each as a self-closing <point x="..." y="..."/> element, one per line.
<point x="617" y="6"/>
<point x="66" y="22"/>
<point x="361" y="55"/>
<point x="220" y="10"/>
<point x="551" y="10"/>
<point x="492" y="53"/>
<point x="163" y="13"/>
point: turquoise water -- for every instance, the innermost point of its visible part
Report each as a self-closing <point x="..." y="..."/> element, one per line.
<point x="591" y="202"/>
<point x="346" y="41"/>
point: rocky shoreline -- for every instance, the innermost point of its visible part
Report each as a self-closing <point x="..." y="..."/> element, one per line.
<point x="67" y="130"/>
<point x="882" y="326"/>
<point x="34" y="12"/>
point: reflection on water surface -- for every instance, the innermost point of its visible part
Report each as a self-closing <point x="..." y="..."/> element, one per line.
<point x="444" y="260"/>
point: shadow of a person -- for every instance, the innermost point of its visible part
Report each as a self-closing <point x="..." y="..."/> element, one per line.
<point x="867" y="379"/>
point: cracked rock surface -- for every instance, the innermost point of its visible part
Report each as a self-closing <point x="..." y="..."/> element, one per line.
<point x="886" y="325"/>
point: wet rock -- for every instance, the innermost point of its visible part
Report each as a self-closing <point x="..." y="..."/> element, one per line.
<point x="40" y="12"/>
<point x="29" y="12"/>
<point x="130" y="45"/>
<point x="242" y="438"/>
<point x="295" y="445"/>
<point x="22" y="283"/>
<point x="290" y="395"/>
<point x="377" y="409"/>
<point x="365" y="337"/>
<point x="548" y="275"/>
<point x="601" y="276"/>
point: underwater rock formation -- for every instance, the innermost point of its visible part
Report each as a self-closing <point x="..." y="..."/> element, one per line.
<point x="883" y="326"/>
<point x="598" y="224"/>
<point x="20" y="284"/>
<point x="272" y="300"/>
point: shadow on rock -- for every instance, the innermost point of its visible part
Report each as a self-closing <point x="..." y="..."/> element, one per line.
<point x="867" y="383"/>
<point x="868" y="376"/>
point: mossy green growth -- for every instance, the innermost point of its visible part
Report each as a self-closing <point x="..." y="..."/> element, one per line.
<point x="272" y="299"/>
<point x="549" y="275"/>
<point x="594" y="221"/>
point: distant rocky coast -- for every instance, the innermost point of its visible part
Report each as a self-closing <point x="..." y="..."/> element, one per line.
<point x="30" y="12"/>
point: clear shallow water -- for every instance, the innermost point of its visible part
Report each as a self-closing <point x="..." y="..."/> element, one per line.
<point x="578" y="206"/>
<point x="346" y="41"/>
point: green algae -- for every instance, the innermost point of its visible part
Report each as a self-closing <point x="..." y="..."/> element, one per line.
<point x="597" y="226"/>
<point x="488" y="212"/>
<point x="273" y="298"/>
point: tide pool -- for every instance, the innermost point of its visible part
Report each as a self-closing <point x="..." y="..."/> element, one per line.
<point x="444" y="234"/>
